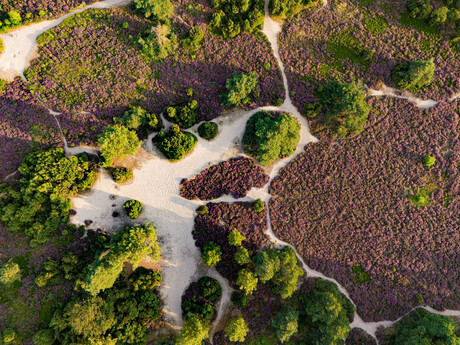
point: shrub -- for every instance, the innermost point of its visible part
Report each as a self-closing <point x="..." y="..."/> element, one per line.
<point x="277" y="102"/>
<point x="235" y="238"/>
<point x="269" y="136"/>
<point x="121" y="175"/>
<point x="239" y="299"/>
<point x="285" y="324"/>
<point x="259" y="205"/>
<point x="194" y="331"/>
<point x="428" y="161"/>
<point x="247" y="281"/>
<point x="413" y="75"/>
<point x="157" y="10"/>
<point x="311" y="109"/>
<point x="419" y="9"/>
<point x="157" y="43"/>
<point x="144" y="279"/>
<point x="136" y="117"/>
<point x="239" y="86"/>
<point x="9" y="335"/>
<point x="10" y="273"/>
<point x="203" y="209"/>
<point x="44" y="337"/>
<point x="185" y="116"/>
<point x="242" y="256"/>
<point x="208" y="130"/>
<point x="439" y="15"/>
<point x="287" y="8"/>
<point x="132" y="208"/>
<point x="117" y="142"/>
<point x="237" y="329"/>
<point x="194" y="39"/>
<point x="176" y="144"/>
<point x="210" y="288"/>
<point x="211" y="254"/>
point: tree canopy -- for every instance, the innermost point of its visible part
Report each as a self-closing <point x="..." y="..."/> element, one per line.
<point x="285" y="324"/>
<point x="176" y="144"/>
<point x="156" y="10"/>
<point x="239" y="87"/>
<point x="413" y="75"/>
<point x="237" y="329"/>
<point x="117" y="142"/>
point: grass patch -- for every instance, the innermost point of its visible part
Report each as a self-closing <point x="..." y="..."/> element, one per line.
<point x="345" y="46"/>
<point x="428" y="47"/>
<point x="359" y="274"/>
<point x="420" y="25"/>
<point x="421" y="196"/>
<point x="376" y="25"/>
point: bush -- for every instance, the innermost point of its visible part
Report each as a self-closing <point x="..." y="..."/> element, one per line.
<point x="10" y="273"/>
<point x="239" y="299"/>
<point x="137" y="117"/>
<point x="277" y="102"/>
<point x="185" y="116"/>
<point x="239" y="86"/>
<point x="439" y="15"/>
<point x="44" y="337"/>
<point x="210" y="289"/>
<point x="194" y="331"/>
<point x="208" y="130"/>
<point x="211" y="254"/>
<point x="242" y="256"/>
<point x="157" y="43"/>
<point x="428" y="161"/>
<point x="311" y="109"/>
<point x="203" y="209"/>
<point x="287" y="8"/>
<point x="269" y="136"/>
<point x="144" y="279"/>
<point x="194" y="39"/>
<point x="132" y="208"/>
<point x="285" y="324"/>
<point x="176" y="144"/>
<point x="117" y="142"/>
<point x="156" y="10"/>
<point x="8" y="335"/>
<point x="419" y="9"/>
<point x="235" y="238"/>
<point x="237" y="329"/>
<point x="413" y="75"/>
<point x="247" y="281"/>
<point x="259" y="205"/>
<point x="121" y="175"/>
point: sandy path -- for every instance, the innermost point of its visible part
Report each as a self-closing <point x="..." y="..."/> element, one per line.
<point x="391" y="92"/>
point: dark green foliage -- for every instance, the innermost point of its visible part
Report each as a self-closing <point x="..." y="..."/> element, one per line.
<point x="117" y="142"/>
<point x="39" y="203"/>
<point x="9" y="335"/>
<point x="156" y="10"/>
<point x="10" y="273"/>
<point x="203" y="209"/>
<point x="157" y="43"/>
<point x="439" y="15"/>
<point x="287" y="8"/>
<point x="132" y="208"/>
<point x="211" y="254"/>
<point x="44" y="337"/>
<point x="259" y="205"/>
<point x="239" y="299"/>
<point x="423" y="328"/>
<point x="285" y="324"/>
<point x="345" y="108"/>
<point x="242" y="256"/>
<point x="311" y="109"/>
<point x="428" y="161"/>
<point x="184" y="117"/>
<point x="239" y="86"/>
<point x="133" y="244"/>
<point x="419" y="9"/>
<point x="210" y="289"/>
<point x="208" y="130"/>
<point x="194" y="39"/>
<point x="176" y="144"/>
<point x="144" y="279"/>
<point x="235" y="16"/>
<point x="121" y="175"/>
<point x="194" y="330"/>
<point x="137" y="117"/>
<point x="413" y="75"/>
<point x="360" y="275"/>
<point x="269" y="136"/>
<point x="277" y="102"/>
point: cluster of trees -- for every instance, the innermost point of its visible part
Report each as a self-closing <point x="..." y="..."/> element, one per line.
<point x="269" y="136"/>
<point x="175" y="144"/>
<point x="12" y="19"/>
<point x="413" y="75"/>
<point x="137" y="118"/>
<point x="132" y="245"/>
<point x="39" y="203"/>
<point x="121" y="174"/>
<point x="69" y="267"/>
<point x="239" y="87"/>
<point x="184" y="116"/>
<point x="117" y="142"/>
<point x="208" y="130"/>
<point x="422" y="10"/>
<point x="345" y="109"/>
<point x="236" y="16"/>
<point x="287" y="8"/>
<point x="132" y="208"/>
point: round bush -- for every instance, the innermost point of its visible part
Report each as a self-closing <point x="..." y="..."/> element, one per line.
<point x="429" y="161"/>
<point x="132" y="208"/>
<point x="203" y="209"/>
<point x="210" y="288"/>
<point x="44" y="337"/>
<point x="259" y="205"/>
<point x="121" y="175"/>
<point x="8" y="335"/>
<point x="9" y="273"/>
<point x="208" y="130"/>
<point x="144" y="279"/>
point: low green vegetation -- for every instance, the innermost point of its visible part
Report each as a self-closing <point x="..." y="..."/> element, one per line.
<point x="235" y="238"/>
<point x="239" y="87"/>
<point x="270" y="136"/>
<point x="428" y="161"/>
<point x="194" y="38"/>
<point x="121" y="175"/>
<point x="413" y="75"/>
<point x="117" y="142"/>
<point x="359" y="274"/>
<point x="208" y="130"/>
<point x="184" y="116"/>
<point x="39" y="203"/>
<point x="345" y="46"/>
<point x="176" y="144"/>
<point x="376" y="25"/>
<point x="132" y="208"/>
<point x="284" y="9"/>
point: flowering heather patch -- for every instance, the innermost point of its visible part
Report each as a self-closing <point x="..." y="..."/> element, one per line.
<point x="216" y="224"/>
<point x="101" y="70"/>
<point x="25" y="126"/>
<point x="349" y="206"/>
<point x="236" y="177"/>
<point x="338" y="41"/>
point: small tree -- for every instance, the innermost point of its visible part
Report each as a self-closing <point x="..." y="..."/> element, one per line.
<point x="44" y="337"/>
<point x="235" y="238"/>
<point x="419" y="9"/>
<point x="266" y="264"/>
<point x="208" y="130"/>
<point x="242" y="256"/>
<point x="429" y="161"/>
<point x="132" y="208"/>
<point x="259" y="205"/>
<point x="157" y="10"/>
<point x="10" y="272"/>
<point x="144" y="279"/>
<point x="239" y="299"/>
<point x="413" y="75"/>
<point x="211" y="254"/>
<point x="239" y="86"/>
<point x="118" y="142"/>
<point x="439" y="15"/>
<point x="237" y="329"/>
<point x="285" y="324"/>
<point x="194" y="331"/>
<point x="247" y="281"/>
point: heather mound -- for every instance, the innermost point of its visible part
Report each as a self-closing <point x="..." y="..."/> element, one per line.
<point x="369" y="213"/>
<point x="236" y="177"/>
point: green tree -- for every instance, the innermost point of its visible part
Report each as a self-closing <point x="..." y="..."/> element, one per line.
<point x="185" y="116"/>
<point x="237" y="329"/>
<point x="10" y="273"/>
<point x="242" y="256"/>
<point x="194" y="331"/>
<point x="211" y="254"/>
<point x="15" y="18"/>
<point x="117" y="142"/>
<point x="144" y="279"/>
<point x="266" y="264"/>
<point x="176" y="144"/>
<point x="8" y="336"/>
<point x="235" y="238"/>
<point x="44" y="337"/>
<point x="247" y="281"/>
<point x="439" y="15"/>
<point x="239" y="86"/>
<point x="158" y="43"/>
<point x="285" y="324"/>
<point x="259" y="205"/>
<point x="208" y="130"/>
<point x="287" y="8"/>
<point x="428" y="161"/>
<point x="136" y="117"/>
<point x="157" y="10"/>
<point x="419" y="9"/>
<point x="132" y="208"/>
<point x="413" y="75"/>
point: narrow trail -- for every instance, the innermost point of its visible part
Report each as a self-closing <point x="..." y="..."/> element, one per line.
<point x="394" y="93"/>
